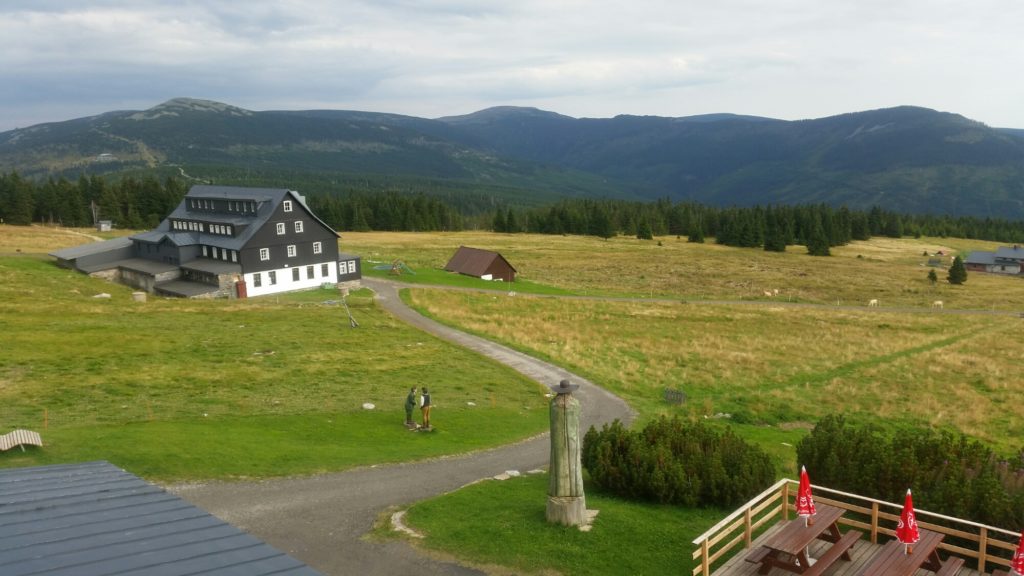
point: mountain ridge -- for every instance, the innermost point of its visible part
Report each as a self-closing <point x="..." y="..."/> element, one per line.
<point x="905" y="158"/>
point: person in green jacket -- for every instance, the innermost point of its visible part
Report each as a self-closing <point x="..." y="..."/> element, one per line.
<point x="410" y="405"/>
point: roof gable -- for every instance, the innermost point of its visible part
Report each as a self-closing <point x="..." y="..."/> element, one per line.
<point x="474" y="261"/>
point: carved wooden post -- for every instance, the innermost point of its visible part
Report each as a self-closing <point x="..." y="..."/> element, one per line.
<point x="566" y="502"/>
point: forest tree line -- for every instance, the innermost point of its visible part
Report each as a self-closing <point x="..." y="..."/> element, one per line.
<point x="142" y="203"/>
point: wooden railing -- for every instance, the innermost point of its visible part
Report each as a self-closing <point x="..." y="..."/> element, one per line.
<point x="987" y="544"/>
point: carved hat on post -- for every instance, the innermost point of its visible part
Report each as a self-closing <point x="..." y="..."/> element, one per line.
<point x="565" y="387"/>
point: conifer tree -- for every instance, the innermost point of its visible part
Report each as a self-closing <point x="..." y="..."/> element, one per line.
<point x="643" y="230"/>
<point x="499" y="222"/>
<point x="696" y="232"/>
<point x="932" y="277"/>
<point x="957" y="272"/>
<point x="817" y="242"/>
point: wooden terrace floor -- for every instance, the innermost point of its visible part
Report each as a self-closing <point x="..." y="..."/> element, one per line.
<point x="861" y="554"/>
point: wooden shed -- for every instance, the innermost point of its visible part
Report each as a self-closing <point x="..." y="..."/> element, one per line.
<point x="482" y="264"/>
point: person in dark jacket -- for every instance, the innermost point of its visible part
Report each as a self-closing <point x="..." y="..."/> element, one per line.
<point x="425" y="407"/>
<point x="410" y="404"/>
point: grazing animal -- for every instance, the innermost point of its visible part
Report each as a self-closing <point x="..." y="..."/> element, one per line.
<point x="775" y="291"/>
<point x="873" y="302"/>
<point x="937" y="304"/>
<point x="768" y="293"/>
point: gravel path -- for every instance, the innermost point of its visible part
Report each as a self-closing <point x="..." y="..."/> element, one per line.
<point x="321" y="519"/>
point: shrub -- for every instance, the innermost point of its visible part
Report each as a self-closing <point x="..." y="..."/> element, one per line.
<point x="949" y="474"/>
<point x="673" y="462"/>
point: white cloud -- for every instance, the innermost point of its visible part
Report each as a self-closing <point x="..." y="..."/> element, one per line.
<point x="787" y="59"/>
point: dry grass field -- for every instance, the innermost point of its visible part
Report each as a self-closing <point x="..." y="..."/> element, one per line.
<point x="892" y="271"/>
<point x="903" y="363"/>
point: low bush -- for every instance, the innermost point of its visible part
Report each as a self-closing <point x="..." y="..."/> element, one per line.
<point x="671" y="461"/>
<point x="949" y="474"/>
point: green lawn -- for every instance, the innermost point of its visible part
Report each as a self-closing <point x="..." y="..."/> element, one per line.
<point x="502" y="523"/>
<point x="186" y="389"/>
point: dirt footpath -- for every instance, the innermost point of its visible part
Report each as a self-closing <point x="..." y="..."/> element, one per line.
<point x="320" y="520"/>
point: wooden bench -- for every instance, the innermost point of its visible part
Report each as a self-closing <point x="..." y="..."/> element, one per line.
<point x="833" y="553"/>
<point x="951" y="566"/>
<point x="758" y="554"/>
<point x="19" y="438"/>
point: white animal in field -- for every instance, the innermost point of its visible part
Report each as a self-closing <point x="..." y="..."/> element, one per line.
<point x="873" y="302"/>
<point x="937" y="304"/>
<point x="768" y="293"/>
<point x="775" y="291"/>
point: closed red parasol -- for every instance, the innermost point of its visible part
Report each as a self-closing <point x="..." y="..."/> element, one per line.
<point x="906" y="530"/>
<point x="804" y="500"/>
<point x="1017" y="566"/>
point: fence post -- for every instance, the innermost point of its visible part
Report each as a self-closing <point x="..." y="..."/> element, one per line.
<point x="705" y="566"/>
<point x="785" y="501"/>
<point x="746" y="526"/>
<point x="982" y="549"/>
<point x="874" y="522"/>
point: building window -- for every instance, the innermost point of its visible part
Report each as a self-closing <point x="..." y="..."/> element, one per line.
<point x="224" y="254"/>
<point x="273" y="277"/>
<point x="310" y="274"/>
<point x="257" y="280"/>
<point x="286" y="205"/>
<point x="317" y="247"/>
<point x="280" y="228"/>
<point x="324" y="271"/>
<point x="205" y="248"/>
<point x="234" y="255"/>
<point x="295" y="274"/>
<point x="264" y="253"/>
<point x="351" y="266"/>
<point x="228" y="231"/>
<point x="298" y="226"/>
<point x="291" y="250"/>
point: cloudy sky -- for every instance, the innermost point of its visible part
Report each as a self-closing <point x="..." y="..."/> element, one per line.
<point x="790" y="59"/>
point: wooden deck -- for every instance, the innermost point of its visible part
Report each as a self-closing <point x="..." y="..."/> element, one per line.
<point x="861" y="554"/>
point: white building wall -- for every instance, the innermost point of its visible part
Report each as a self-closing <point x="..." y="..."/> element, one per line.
<point x="284" y="281"/>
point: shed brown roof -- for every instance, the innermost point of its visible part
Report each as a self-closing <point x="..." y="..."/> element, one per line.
<point x="474" y="261"/>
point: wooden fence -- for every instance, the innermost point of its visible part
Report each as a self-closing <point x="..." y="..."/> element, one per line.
<point x="988" y="545"/>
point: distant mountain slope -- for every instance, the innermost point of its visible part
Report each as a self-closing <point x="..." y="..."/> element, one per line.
<point x="907" y="159"/>
<point x="209" y="137"/>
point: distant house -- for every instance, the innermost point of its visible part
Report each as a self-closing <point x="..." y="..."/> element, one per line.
<point x="104" y="226"/>
<point x="95" y="518"/>
<point x="223" y="241"/>
<point x="1005" y="260"/>
<point x="482" y="264"/>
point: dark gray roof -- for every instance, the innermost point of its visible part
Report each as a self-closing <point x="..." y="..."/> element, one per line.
<point x="95" y="519"/>
<point x="268" y="200"/>
<point x="979" y="257"/>
<point x="91" y="248"/>
<point x="1010" y="252"/>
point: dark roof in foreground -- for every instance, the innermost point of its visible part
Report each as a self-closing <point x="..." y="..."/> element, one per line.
<point x="95" y="519"/>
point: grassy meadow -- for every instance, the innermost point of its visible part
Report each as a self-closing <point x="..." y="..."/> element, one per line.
<point x="177" y="389"/>
<point x="890" y="270"/>
<point x="773" y="367"/>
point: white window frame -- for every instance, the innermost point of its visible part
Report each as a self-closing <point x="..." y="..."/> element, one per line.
<point x="318" y="247"/>
<point x="351" y="266"/>
<point x="273" y="277"/>
<point x="292" y="251"/>
<point x="264" y="254"/>
<point x="298" y="226"/>
<point x="257" y="280"/>
<point x="280" y="229"/>
<point x="286" y="205"/>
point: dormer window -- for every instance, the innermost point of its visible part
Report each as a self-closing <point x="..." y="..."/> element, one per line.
<point x="286" y="205"/>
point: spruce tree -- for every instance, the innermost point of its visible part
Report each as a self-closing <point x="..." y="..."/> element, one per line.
<point x="932" y="277"/>
<point x="643" y="230"/>
<point x="499" y="223"/>
<point x="957" y="272"/>
<point x="817" y="242"/>
<point x="696" y="233"/>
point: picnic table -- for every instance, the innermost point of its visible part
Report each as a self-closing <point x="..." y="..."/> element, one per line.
<point x="892" y="561"/>
<point x="787" y="548"/>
